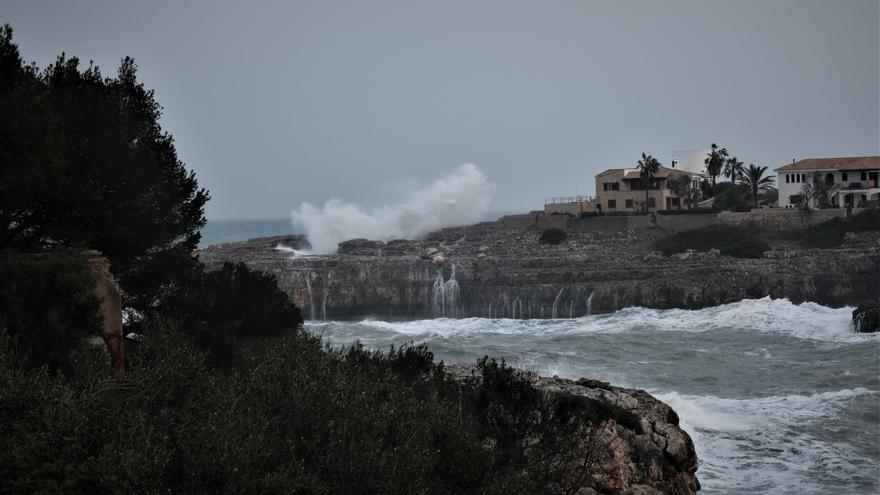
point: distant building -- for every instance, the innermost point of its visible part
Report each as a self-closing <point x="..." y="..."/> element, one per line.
<point x="623" y="189"/>
<point x="849" y="182"/>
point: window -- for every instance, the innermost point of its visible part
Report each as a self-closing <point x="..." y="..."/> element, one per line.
<point x="629" y="203"/>
<point x="611" y="186"/>
<point x="843" y="177"/>
<point x="864" y="175"/>
<point x="651" y="203"/>
<point x="787" y="178"/>
<point x="612" y="204"/>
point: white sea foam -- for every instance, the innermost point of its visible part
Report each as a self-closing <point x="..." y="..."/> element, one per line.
<point x="779" y="316"/>
<point x="760" y="445"/>
<point x="459" y="198"/>
<point x="295" y="252"/>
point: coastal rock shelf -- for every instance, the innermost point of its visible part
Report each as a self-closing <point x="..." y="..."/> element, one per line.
<point x="488" y="270"/>
<point x="649" y="454"/>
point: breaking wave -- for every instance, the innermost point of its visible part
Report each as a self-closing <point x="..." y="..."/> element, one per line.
<point x="780" y="316"/>
<point x="754" y="445"/>
<point x="459" y="198"/>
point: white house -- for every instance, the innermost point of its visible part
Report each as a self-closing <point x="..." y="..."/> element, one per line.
<point x="852" y="182"/>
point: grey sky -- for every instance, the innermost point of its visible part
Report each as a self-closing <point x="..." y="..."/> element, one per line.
<point x="275" y="103"/>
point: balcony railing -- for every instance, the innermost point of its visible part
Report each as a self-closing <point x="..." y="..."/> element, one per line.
<point x="560" y="200"/>
<point x="864" y="184"/>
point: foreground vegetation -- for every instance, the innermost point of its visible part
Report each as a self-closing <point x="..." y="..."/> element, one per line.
<point x="226" y="392"/>
<point x="292" y="416"/>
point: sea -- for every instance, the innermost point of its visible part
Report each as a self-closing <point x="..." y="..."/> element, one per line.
<point x="779" y="398"/>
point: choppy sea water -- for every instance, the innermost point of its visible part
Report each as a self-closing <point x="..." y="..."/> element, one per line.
<point x="778" y="397"/>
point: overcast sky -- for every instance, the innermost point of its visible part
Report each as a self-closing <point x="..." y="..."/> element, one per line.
<point x="275" y="103"/>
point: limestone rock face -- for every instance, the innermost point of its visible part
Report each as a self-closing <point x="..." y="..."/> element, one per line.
<point x="490" y="270"/>
<point x="651" y="456"/>
<point x="866" y="318"/>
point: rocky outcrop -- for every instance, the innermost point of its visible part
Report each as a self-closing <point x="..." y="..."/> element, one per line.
<point x="642" y="451"/>
<point x="491" y="270"/>
<point x="866" y="318"/>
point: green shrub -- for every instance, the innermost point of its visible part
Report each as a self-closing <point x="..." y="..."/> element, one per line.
<point x="735" y="198"/>
<point x="48" y="303"/>
<point x="296" y="419"/>
<point x="731" y="241"/>
<point x="830" y="234"/>
<point x="222" y="309"/>
<point x="552" y="236"/>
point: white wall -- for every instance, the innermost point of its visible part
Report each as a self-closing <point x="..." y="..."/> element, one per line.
<point x="690" y="160"/>
<point x="793" y="184"/>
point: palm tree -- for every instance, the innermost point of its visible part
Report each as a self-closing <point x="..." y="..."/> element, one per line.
<point x="733" y="169"/>
<point x="755" y="179"/>
<point x="714" y="161"/>
<point x="681" y="186"/>
<point x="648" y="168"/>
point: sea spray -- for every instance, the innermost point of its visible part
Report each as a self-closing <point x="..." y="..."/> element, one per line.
<point x="307" y="276"/>
<point x="445" y="294"/>
<point x="556" y="302"/>
<point x="459" y="198"/>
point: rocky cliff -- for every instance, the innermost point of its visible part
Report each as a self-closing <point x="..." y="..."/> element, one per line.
<point x="642" y="452"/>
<point x="490" y="270"/>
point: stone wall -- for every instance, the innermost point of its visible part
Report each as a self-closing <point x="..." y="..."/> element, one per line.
<point x="610" y="223"/>
<point x="679" y="223"/>
<point x="779" y="218"/>
<point x="767" y="219"/>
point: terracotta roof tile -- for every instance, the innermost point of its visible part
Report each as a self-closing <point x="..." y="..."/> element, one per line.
<point x="840" y="163"/>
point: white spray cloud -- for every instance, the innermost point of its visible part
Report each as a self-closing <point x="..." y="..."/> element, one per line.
<point x="459" y="198"/>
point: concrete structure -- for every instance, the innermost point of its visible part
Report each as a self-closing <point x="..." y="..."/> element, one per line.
<point x="622" y="189"/>
<point x="570" y="205"/>
<point x="111" y="307"/>
<point x="851" y="182"/>
<point x="690" y="160"/>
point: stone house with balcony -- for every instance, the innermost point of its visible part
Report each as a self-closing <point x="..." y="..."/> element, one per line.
<point x="622" y="189"/>
<point x="851" y="182"/>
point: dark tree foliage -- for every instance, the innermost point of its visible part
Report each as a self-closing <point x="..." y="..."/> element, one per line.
<point x="84" y="163"/>
<point x="224" y="308"/>
<point x="48" y="304"/>
<point x="735" y="197"/>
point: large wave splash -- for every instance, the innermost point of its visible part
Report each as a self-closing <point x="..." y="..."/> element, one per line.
<point x="460" y="198"/>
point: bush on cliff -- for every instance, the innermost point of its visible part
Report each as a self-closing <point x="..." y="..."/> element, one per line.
<point x="730" y="241"/>
<point x="552" y="236"/>
<point x="294" y="419"/>
<point x="48" y="304"/>
<point x="830" y="234"/>
<point x="223" y="309"/>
